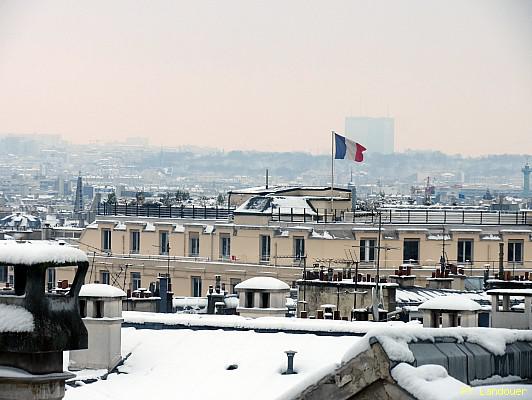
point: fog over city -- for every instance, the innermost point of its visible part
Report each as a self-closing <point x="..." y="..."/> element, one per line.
<point x="267" y="200"/>
<point x="273" y="76"/>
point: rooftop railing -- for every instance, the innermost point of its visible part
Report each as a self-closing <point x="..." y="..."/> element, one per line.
<point x="160" y="211"/>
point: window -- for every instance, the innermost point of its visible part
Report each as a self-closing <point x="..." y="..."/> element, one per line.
<point x="264" y="248"/>
<point x="135" y="281"/>
<point x="264" y="300"/>
<point x="465" y="251"/>
<point x="299" y="247"/>
<point x="225" y="246"/>
<point x="105" y="277"/>
<point x="411" y="251"/>
<point x="249" y="299"/>
<point x="515" y="251"/>
<point x="134" y="242"/>
<point x="3" y="273"/>
<point x="367" y="250"/>
<point x="193" y="244"/>
<point x="196" y="286"/>
<point x="164" y="245"/>
<point x="50" y="279"/>
<point x="98" y="309"/>
<point x="106" y="240"/>
<point x="233" y="282"/>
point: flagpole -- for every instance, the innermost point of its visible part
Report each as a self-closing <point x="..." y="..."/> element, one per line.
<point x="332" y="170"/>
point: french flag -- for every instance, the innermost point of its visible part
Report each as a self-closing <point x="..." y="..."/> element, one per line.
<point x="346" y="149"/>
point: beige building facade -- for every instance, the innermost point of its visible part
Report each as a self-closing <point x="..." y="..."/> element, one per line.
<point x="132" y="252"/>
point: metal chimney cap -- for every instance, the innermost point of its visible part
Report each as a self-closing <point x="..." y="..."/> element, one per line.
<point x="290" y="352"/>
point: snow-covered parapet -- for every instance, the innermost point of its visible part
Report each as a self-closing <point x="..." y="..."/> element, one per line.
<point x="38" y="252"/>
<point x="262" y="323"/>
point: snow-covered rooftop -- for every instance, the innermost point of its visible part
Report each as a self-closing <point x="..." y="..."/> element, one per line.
<point x="263" y="283"/>
<point x="100" y="290"/>
<point x="195" y="364"/>
<point x="273" y="204"/>
<point x="206" y="363"/>
<point x="452" y="303"/>
<point x="38" y="251"/>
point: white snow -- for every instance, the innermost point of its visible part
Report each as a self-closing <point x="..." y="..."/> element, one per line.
<point x="100" y="290"/>
<point x="231" y="302"/>
<point x="439" y="237"/>
<point x="324" y="235"/>
<point x="39" y="251"/>
<point x="238" y="322"/>
<point x="395" y="341"/>
<point x="427" y="381"/>
<point x="454" y="303"/>
<point x="15" y="319"/>
<point x="490" y="236"/>
<point x="515" y="292"/>
<point x="432" y="382"/>
<point x="496" y="379"/>
<point x="264" y="283"/>
<point x="298" y="205"/>
<point x="193" y="364"/>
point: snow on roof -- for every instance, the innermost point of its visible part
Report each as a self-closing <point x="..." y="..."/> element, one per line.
<point x="490" y="236"/>
<point x="38" y="251"/>
<point x="432" y="382"/>
<point x="15" y="319"/>
<point x="428" y="382"/>
<point x="321" y="235"/>
<point x="524" y="231"/>
<point x="20" y="220"/>
<point x="272" y="323"/>
<point x="455" y="303"/>
<point x="283" y="204"/>
<point x="263" y="283"/>
<point x="515" y="292"/>
<point x="100" y="290"/>
<point x="394" y="340"/>
<point x="417" y="295"/>
<point x="179" y="228"/>
<point x="196" y="364"/>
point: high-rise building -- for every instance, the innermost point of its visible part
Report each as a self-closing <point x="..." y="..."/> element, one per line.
<point x="78" y="202"/>
<point x="526" y="179"/>
<point x="376" y="134"/>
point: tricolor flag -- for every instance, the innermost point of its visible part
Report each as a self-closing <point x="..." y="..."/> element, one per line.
<point x="345" y="148"/>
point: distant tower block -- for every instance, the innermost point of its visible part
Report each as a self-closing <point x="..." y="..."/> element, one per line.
<point x="78" y="202"/>
<point x="526" y="179"/>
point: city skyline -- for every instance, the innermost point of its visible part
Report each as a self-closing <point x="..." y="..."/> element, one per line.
<point x="455" y="76"/>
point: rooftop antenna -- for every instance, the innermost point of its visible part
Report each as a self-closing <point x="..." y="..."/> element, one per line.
<point x="443" y="257"/>
<point x="376" y="298"/>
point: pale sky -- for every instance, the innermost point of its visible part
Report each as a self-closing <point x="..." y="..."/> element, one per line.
<point x="269" y="75"/>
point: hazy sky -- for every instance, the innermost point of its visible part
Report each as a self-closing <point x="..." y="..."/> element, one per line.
<point x="269" y="75"/>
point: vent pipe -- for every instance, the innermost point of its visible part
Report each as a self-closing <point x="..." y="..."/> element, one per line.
<point x="290" y="368"/>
